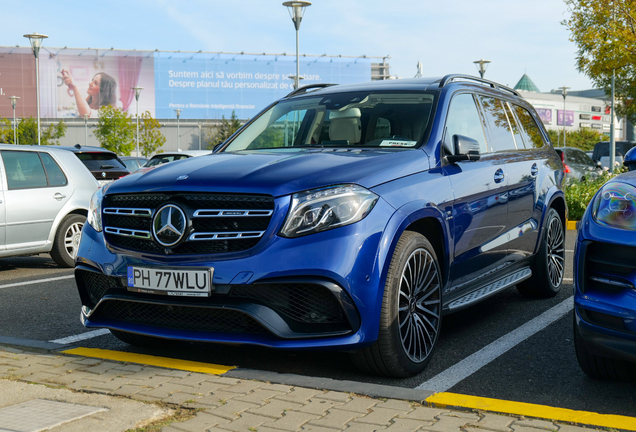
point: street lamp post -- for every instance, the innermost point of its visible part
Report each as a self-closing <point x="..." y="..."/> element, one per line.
<point x="36" y="43"/>
<point x="137" y="92"/>
<point x="481" y="65"/>
<point x="86" y="129"/>
<point x="14" y="100"/>
<point x="296" y="11"/>
<point x="564" y="92"/>
<point x="178" y="111"/>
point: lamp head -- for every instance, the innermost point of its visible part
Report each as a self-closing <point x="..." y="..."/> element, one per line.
<point x="137" y="92"/>
<point x="482" y="65"/>
<point x="178" y="111"/>
<point x="296" y="10"/>
<point x="36" y="42"/>
<point x="14" y="100"/>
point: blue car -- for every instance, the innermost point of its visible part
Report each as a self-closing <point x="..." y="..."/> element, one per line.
<point x="605" y="282"/>
<point x="349" y="217"/>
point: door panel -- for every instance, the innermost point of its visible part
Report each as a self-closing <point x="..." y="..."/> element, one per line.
<point x="31" y="204"/>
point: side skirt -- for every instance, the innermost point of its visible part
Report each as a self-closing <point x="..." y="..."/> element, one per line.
<point x="488" y="290"/>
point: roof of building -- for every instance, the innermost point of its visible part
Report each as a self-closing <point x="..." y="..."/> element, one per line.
<point x="526" y="84"/>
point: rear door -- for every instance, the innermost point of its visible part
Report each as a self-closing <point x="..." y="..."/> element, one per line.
<point x="32" y="202"/>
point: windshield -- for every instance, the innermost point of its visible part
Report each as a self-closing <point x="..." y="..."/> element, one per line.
<point x="363" y="119"/>
<point x="100" y="161"/>
<point x="162" y="159"/>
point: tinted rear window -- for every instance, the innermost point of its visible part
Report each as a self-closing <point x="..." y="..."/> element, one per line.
<point x="100" y="161"/>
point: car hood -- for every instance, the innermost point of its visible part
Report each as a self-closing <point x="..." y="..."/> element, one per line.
<point x="277" y="172"/>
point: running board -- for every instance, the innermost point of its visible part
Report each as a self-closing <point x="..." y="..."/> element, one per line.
<point x="488" y="290"/>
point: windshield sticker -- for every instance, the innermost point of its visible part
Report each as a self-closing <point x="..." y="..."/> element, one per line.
<point x="397" y="143"/>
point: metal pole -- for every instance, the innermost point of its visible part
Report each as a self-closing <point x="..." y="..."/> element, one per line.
<point x="85" y="129"/>
<point x="199" y="136"/>
<point x="612" y="134"/>
<point x="178" y="137"/>
<point x="15" y="134"/>
<point x="564" y="143"/>
<point x="297" y="79"/>
<point x="37" y="89"/>
<point x="137" y="109"/>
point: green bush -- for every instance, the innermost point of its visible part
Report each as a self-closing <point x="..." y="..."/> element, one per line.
<point x="579" y="194"/>
<point x="584" y="139"/>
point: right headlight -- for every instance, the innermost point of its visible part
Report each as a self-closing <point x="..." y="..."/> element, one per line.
<point x="615" y="206"/>
<point x="327" y="208"/>
<point x="94" y="218"/>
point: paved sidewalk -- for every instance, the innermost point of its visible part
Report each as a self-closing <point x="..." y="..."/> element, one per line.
<point x="177" y="401"/>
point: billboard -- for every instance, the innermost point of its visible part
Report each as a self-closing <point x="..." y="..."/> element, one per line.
<point x="569" y="117"/>
<point x="75" y="82"/>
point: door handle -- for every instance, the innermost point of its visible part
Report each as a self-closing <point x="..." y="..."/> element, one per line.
<point x="58" y="196"/>
<point x="499" y="176"/>
<point x="534" y="170"/>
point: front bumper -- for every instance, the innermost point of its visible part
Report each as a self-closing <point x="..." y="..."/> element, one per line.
<point x="317" y="291"/>
<point x="605" y="290"/>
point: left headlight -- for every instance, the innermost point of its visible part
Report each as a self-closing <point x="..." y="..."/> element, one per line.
<point x="326" y="208"/>
<point x="94" y="218"/>
<point x="615" y="206"/>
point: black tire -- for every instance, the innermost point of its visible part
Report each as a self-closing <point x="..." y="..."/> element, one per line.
<point x="549" y="264"/>
<point x="596" y="366"/>
<point x="67" y="240"/>
<point x="407" y="312"/>
<point x="137" y="339"/>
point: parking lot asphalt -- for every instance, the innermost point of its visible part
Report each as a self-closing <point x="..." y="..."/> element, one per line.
<point x="523" y="387"/>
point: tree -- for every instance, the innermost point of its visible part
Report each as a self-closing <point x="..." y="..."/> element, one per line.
<point x="150" y="137"/>
<point x="584" y="138"/>
<point x="27" y="132"/>
<point x="224" y="131"/>
<point x="115" y="130"/>
<point x="605" y="34"/>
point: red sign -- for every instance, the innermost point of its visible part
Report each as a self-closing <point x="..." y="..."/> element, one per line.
<point x="596" y="117"/>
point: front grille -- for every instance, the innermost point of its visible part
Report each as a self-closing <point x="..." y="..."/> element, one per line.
<point x="178" y="317"/>
<point x="127" y="221"/>
<point x="608" y="267"/>
<point x="302" y="302"/>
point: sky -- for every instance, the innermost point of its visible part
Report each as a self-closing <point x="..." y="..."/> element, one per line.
<point x="447" y="36"/>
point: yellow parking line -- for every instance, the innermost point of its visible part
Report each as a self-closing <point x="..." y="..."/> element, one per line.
<point x="453" y="400"/>
<point x="165" y="362"/>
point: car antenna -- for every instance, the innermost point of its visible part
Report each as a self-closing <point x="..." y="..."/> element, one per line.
<point x="77" y="146"/>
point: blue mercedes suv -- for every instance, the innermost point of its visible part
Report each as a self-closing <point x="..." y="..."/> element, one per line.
<point x="349" y="217"/>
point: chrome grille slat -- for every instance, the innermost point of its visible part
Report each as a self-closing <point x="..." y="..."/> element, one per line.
<point x="225" y="235"/>
<point x="128" y="232"/>
<point x="128" y="211"/>
<point x="233" y="213"/>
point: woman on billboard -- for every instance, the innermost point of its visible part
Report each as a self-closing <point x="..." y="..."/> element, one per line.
<point x="102" y="91"/>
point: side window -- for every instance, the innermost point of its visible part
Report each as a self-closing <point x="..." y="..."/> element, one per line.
<point x="529" y="128"/>
<point x="53" y="171"/>
<point x="281" y="133"/>
<point x="463" y="119"/>
<point x="24" y="169"/>
<point x="516" y="129"/>
<point x="500" y="132"/>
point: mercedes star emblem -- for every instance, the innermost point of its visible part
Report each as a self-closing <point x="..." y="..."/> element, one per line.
<point x="169" y="225"/>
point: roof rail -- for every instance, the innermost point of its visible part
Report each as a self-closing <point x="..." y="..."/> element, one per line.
<point x="303" y="89"/>
<point x="452" y="77"/>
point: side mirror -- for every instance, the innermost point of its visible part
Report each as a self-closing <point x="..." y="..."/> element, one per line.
<point x="466" y="149"/>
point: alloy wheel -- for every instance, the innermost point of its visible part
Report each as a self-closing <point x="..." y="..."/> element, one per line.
<point x="556" y="251"/>
<point x="419" y="305"/>
<point x="72" y="238"/>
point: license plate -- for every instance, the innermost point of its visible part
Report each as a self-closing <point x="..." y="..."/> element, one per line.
<point x="170" y="281"/>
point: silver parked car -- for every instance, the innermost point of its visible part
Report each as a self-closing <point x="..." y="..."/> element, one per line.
<point x="44" y="197"/>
